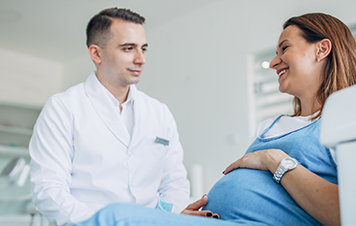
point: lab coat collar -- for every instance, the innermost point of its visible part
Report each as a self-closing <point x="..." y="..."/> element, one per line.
<point x="105" y="108"/>
<point x="130" y="97"/>
<point x="132" y="94"/>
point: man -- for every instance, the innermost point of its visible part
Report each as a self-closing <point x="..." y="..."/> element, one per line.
<point x="103" y="141"/>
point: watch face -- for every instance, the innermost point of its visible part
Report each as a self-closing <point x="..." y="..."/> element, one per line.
<point x="288" y="163"/>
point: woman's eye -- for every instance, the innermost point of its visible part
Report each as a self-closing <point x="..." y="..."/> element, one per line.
<point x="284" y="48"/>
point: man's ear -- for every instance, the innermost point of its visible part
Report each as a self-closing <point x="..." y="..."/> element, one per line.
<point x="324" y="48"/>
<point x="95" y="53"/>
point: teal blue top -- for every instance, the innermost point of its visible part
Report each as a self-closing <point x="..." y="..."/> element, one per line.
<point x="253" y="195"/>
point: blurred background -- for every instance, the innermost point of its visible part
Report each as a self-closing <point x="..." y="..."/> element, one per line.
<point x="207" y="60"/>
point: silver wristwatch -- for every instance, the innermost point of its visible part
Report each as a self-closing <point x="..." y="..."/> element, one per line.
<point x="285" y="165"/>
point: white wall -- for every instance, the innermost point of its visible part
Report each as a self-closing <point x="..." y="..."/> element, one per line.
<point x="27" y="79"/>
<point x="195" y="65"/>
<point x="76" y="70"/>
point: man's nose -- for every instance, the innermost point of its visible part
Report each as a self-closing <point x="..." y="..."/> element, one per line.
<point x="140" y="57"/>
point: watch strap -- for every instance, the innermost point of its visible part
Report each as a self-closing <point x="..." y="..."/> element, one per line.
<point x="281" y="170"/>
<point x="278" y="174"/>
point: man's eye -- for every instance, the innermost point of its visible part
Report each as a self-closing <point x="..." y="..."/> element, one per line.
<point x="284" y="48"/>
<point x="144" y="49"/>
<point x="128" y="48"/>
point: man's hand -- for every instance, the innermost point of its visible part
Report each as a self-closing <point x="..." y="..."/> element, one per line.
<point x="193" y="209"/>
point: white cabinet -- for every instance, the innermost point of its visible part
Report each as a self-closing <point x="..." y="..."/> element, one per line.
<point x="16" y="126"/>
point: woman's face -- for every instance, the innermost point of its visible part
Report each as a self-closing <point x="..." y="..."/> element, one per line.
<point x="296" y="64"/>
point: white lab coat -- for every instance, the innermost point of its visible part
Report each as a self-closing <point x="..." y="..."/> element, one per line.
<point x="83" y="158"/>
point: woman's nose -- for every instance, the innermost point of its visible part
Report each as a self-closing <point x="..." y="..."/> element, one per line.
<point x="275" y="61"/>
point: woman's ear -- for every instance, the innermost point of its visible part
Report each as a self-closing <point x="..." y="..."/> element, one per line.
<point x="94" y="52"/>
<point x="324" y="48"/>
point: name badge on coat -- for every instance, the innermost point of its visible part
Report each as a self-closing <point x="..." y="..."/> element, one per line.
<point x="162" y="141"/>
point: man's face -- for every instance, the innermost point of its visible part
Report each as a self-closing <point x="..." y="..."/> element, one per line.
<point x="123" y="57"/>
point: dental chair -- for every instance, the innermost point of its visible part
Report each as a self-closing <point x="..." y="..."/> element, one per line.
<point x="338" y="131"/>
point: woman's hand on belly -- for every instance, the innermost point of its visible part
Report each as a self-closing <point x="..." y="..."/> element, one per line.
<point x="267" y="160"/>
<point x="193" y="209"/>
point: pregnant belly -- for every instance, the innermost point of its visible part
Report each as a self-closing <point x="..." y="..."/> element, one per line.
<point x="246" y="194"/>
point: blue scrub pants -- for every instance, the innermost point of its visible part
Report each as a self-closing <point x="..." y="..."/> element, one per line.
<point x="120" y="214"/>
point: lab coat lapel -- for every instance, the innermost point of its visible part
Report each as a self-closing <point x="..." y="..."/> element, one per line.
<point x="140" y="117"/>
<point x="105" y="108"/>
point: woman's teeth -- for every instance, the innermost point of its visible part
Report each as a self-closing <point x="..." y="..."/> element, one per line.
<point x="281" y="72"/>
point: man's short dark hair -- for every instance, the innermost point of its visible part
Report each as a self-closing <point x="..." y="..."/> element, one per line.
<point x="98" y="29"/>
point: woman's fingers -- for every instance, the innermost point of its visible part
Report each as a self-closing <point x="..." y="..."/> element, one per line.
<point x="231" y="167"/>
<point x="260" y="160"/>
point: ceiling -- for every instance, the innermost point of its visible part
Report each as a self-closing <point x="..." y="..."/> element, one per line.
<point x="55" y="30"/>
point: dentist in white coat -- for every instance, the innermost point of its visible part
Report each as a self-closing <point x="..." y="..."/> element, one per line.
<point x="103" y="141"/>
